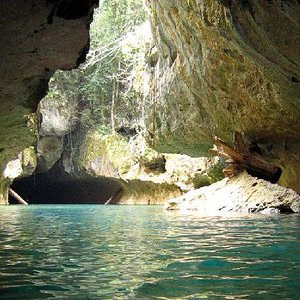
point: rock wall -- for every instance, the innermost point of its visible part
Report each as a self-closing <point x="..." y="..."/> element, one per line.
<point x="225" y="65"/>
<point x="58" y="114"/>
<point x="36" y="37"/>
<point x="146" y="176"/>
<point x="218" y="66"/>
<point x="85" y="154"/>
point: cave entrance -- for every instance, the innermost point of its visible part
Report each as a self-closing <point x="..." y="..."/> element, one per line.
<point x="58" y="187"/>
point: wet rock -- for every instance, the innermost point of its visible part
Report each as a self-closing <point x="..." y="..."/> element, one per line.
<point x="240" y="194"/>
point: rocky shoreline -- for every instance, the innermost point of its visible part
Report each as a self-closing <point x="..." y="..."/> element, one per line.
<point x="239" y="194"/>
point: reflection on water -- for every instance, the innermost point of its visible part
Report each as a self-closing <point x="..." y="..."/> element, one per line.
<point x="131" y="252"/>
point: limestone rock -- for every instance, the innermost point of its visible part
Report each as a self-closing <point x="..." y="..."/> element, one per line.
<point x="24" y="165"/>
<point x="145" y="175"/>
<point x="240" y="194"/>
<point x="36" y="38"/>
<point x="58" y="114"/>
<point x="193" y="172"/>
<point x="49" y="150"/>
<point x="104" y="155"/>
<point x="13" y="169"/>
<point x="224" y="66"/>
<point x="147" y="192"/>
<point x="115" y="156"/>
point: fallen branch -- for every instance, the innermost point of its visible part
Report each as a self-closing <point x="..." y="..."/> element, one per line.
<point x="17" y="197"/>
<point x="113" y="197"/>
<point x="240" y="158"/>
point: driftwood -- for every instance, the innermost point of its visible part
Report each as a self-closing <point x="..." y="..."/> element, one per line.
<point x="114" y="196"/>
<point x="240" y="158"/>
<point x="109" y="200"/>
<point x="17" y="197"/>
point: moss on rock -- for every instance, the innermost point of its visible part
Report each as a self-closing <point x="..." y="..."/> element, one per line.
<point x="105" y="155"/>
<point x="18" y="131"/>
<point x="23" y="165"/>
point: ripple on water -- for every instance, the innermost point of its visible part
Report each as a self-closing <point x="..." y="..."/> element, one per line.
<point x="114" y="252"/>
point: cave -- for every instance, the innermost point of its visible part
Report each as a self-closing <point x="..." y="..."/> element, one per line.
<point x="59" y="187"/>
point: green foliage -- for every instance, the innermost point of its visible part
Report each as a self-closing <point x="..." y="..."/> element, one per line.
<point x="63" y="86"/>
<point x="114" y="19"/>
<point x="104" y="85"/>
<point x="106" y="79"/>
<point x="109" y="72"/>
<point x="102" y="129"/>
<point x="200" y="180"/>
<point x="216" y="172"/>
<point x="17" y="132"/>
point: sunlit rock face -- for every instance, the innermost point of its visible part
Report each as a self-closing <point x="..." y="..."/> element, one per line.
<point x="239" y="194"/>
<point x="225" y="66"/>
<point x="36" y="38"/>
<point x="58" y="117"/>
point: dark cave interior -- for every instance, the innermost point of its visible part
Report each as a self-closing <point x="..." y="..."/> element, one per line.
<point x="59" y="187"/>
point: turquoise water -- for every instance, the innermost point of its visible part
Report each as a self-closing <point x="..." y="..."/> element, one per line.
<point x="142" y="252"/>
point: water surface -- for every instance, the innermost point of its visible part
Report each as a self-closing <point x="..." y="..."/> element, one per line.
<point x="142" y="252"/>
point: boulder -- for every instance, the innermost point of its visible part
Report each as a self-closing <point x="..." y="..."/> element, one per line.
<point x="240" y="194"/>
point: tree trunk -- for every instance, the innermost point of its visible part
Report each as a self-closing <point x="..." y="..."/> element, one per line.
<point x="118" y="194"/>
<point x="112" y="108"/>
<point x="17" y="197"/>
<point x="240" y="158"/>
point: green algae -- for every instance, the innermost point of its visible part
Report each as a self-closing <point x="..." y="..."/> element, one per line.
<point x="18" y="131"/>
<point x="112" y="149"/>
<point x="15" y="134"/>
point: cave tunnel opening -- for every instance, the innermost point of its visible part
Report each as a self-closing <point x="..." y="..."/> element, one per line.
<point x="59" y="187"/>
